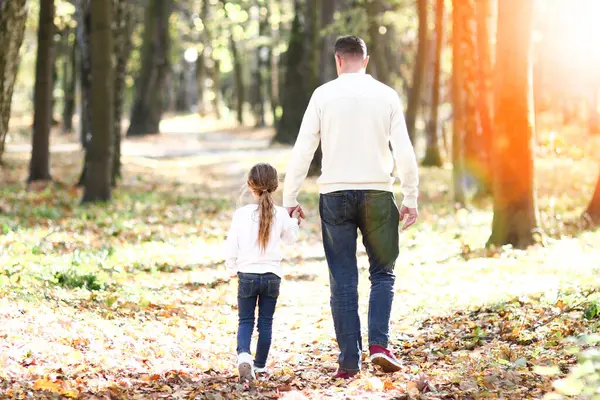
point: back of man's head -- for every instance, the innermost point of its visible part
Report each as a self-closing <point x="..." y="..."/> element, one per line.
<point x="350" y="47"/>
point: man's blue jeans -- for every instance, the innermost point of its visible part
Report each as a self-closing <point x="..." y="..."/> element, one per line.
<point x="376" y="214"/>
<point x="264" y="290"/>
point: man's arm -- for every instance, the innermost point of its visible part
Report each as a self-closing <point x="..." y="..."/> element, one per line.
<point x="302" y="154"/>
<point x="404" y="154"/>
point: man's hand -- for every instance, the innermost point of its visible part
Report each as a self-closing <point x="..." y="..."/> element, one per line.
<point x="296" y="212"/>
<point x="411" y="215"/>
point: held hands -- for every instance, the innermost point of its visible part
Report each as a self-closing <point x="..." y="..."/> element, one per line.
<point x="296" y="212"/>
<point x="411" y="215"/>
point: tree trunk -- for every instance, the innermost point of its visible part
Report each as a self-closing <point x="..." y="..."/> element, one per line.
<point x="150" y="97"/>
<point x="98" y="177"/>
<point x="262" y="56"/>
<point x="200" y="79"/>
<point x="432" y="154"/>
<point x="377" y="44"/>
<point x="592" y="213"/>
<point x="294" y="96"/>
<point x="239" y="80"/>
<point x="515" y="214"/>
<point x="201" y="70"/>
<point x="237" y="72"/>
<point x="13" y="15"/>
<point x="69" y="87"/>
<point x="122" y="46"/>
<point x="273" y="66"/>
<point x="182" y="98"/>
<point x="39" y="166"/>
<point x="465" y="35"/>
<point x="82" y="14"/>
<point x="458" y="113"/>
<point x="484" y="69"/>
<point x="57" y="48"/>
<point x="216" y="78"/>
<point x="414" y="97"/>
<point x="313" y="53"/>
<point x="327" y="68"/>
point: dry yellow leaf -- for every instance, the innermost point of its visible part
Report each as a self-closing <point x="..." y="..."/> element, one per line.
<point x="46" y="384"/>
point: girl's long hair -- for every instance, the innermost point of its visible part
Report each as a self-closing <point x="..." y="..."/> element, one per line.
<point x="262" y="180"/>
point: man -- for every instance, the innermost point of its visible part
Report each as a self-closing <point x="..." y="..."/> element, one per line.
<point x="356" y="118"/>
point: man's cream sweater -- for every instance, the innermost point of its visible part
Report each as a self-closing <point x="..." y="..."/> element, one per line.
<point x="355" y="118"/>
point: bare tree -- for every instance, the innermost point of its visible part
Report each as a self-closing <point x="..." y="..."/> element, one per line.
<point x="39" y="166"/>
<point x="149" y="101"/>
<point x="432" y="152"/>
<point x="515" y="211"/>
<point x="97" y="185"/>
<point x="13" y="14"/>
<point x="414" y="98"/>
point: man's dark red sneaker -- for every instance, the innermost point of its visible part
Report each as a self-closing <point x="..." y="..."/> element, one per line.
<point x="344" y="375"/>
<point x="384" y="358"/>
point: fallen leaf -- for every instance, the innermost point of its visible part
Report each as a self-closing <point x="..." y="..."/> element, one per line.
<point x="47" y="384"/>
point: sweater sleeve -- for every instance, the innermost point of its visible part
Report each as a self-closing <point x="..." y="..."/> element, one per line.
<point x="289" y="234"/>
<point x="304" y="150"/>
<point x="231" y="246"/>
<point x="404" y="154"/>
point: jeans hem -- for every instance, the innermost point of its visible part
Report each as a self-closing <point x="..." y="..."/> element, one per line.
<point x="349" y="370"/>
<point x="382" y="344"/>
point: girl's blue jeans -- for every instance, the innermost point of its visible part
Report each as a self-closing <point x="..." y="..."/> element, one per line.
<point x="253" y="289"/>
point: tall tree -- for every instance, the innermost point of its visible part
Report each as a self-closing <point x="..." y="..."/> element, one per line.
<point x="374" y="10"/>
<point x="123" y="23"/>
<point x="238" y="73"/>
<point x="327" y="68"/>
<point x="149" y="101"/>
<point x="484" y="95"/>
<point x="273" y="65"/>
<point x="262" y="59"/>
<point x="294" y="96"/>
<point x="515" y="214"/>
<point x="414" y="98"/>
<point x="98" y="177"/>
<point x="82" y="15"/>
<point x="69" y="81"/>
<point x="201" y="70"/>
<point x="458" y="110"/>
<point x="465" y="32"/>
<point x="13" y="14"/>
<point x="313" y="45"/>
<point x="39" y="166"/>
<point x="83" y="35"/>
<point x="432" y="152"/>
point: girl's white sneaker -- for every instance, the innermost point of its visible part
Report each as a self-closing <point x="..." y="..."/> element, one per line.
<point x="262" y="370"/>
<point x="246" y="367"/>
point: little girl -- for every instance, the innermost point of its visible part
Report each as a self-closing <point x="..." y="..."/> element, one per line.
<point x="253" y="250"/>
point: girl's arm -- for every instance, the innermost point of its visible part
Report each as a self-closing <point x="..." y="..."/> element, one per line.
<point x="231" y="246"/>
<point x="289" y="234"/>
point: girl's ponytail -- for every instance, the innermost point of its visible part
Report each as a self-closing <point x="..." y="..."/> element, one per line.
<point x="262" y="180"/>
<point x="266" y="209"/>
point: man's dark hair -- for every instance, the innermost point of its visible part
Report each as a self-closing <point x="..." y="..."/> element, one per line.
<point x="350" y="46"/>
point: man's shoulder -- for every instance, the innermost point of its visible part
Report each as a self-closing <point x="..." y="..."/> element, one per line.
<point x="324" y="88"/>
<point x="385" y="89"/>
